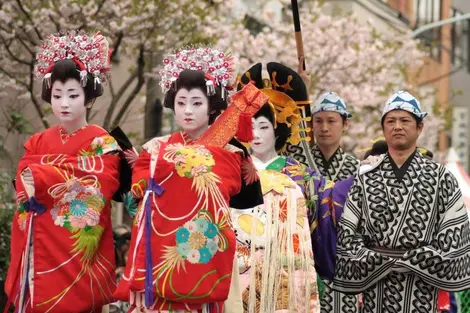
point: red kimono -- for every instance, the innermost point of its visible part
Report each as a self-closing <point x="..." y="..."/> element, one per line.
<point x="62" y="251"/>
<point x="190" y="233"/>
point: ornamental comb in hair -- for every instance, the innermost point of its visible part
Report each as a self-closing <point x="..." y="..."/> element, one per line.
<point x="218" y="66"/>
<point x="90" y="52"/>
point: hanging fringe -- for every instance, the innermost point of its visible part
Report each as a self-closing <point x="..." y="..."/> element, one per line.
<point x="283" y="283"/>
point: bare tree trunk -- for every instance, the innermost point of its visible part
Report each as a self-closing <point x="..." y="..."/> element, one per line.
<point x="153" y="104"/>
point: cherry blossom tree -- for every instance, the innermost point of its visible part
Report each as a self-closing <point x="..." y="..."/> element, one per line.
<point x="345" y="55"/>
<point x="136" y="29"/>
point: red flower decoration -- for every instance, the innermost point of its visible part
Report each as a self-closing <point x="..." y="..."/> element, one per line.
<point x="249" y="172"/>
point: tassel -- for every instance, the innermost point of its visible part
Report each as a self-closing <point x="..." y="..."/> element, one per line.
<point x="47" y="79"/>
<point x="245" y="129"/>
<point x="97" y="81"/>
<point x="158" y="190"/>
<point x="84" y="78"/>
<point x="148" y="257"/>
<point x="210" y="89"/>
<point x="223" y="93"/>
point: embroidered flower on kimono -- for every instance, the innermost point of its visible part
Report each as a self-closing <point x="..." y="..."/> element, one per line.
<point x="201" y="224"/>
<point x="193" y="256"/>
<point x="54" y="213"/>
<point x="197" y="240"/>
<point x="22" y="220"/>
<point x="183" y="249"/>
<point x="199" y="234"/>
<point x="90" y="218"/>
<point x="198" y="170"/>
<point x="72" y="194"/>
<point x="102" y="145"/>
<point x="204" y="255"/>
<point x="212" y="247"/>
<point x="59" y="221"/>
<point x="180" y="158"/>
<point x="193" y="161"/>
<point x="191" y="226"/>
<point x="77" y="207"/>
<point x="211" y="231"/>
<point x="182" y="235"/>
<point x="215" y="239"/>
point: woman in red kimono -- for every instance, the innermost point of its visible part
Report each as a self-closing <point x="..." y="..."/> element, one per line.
<point x="182" y="252"/>
<point x="62" y="256"/>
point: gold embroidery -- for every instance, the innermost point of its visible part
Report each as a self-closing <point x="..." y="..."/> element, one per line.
<point x="248" y="100"/>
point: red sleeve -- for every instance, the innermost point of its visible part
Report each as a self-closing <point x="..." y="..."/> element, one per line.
<point x="51" y="177"/>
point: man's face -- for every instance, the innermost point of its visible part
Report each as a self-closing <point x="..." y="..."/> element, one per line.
<point x="328" y="127"/>
<point x="401" y="130"/>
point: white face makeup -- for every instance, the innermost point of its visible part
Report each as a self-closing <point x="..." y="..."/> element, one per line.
<point x="68" y="104"/>
<point x="264" y="142"/>
<point x="192" y="111"/>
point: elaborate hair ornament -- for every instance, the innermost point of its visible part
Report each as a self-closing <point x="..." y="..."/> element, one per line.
<point x="90" y="52"/>
<point x="218" y="66"/>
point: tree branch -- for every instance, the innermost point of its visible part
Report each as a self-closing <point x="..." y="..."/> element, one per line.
<point x="57" y="25"/>
<point x="117" y="45"/>
<point x="26" y="46"/>
<point x="100" y="6"/>
<point x="140" y="83"/>
<point x="12" y="55"/>
<point x="29" y="18"/>
<point x="45" y="123"/>
<point x="111" y="87"/>
<point x="13" y="77"/>
<point x="115" y="100"/>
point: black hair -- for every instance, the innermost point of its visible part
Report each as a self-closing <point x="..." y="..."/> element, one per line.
<point x="67" y="69"/>
<point x="378" y="148"/>
<point x="190" y="79"/>
<point x="282" y="132"/>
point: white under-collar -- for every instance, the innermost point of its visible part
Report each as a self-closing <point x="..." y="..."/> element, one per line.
<point x="260" y="165"/>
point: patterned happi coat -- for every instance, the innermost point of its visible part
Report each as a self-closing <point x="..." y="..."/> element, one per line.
<point x="404" y="235"/>
<point x="340" y="166"/>
<point x="62" y="252"/>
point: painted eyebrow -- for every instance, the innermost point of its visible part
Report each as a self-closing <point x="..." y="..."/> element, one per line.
<point x="71" y="89"/>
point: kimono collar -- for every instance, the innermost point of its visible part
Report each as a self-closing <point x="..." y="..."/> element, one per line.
<point x="277" y="163"/>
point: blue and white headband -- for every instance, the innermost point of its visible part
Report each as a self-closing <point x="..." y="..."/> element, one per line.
<point x="332" y="102"/>
<point x="403" y="100"/>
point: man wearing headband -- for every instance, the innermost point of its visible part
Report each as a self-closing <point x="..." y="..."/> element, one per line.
<point x="404" y="233"/>
<point x="330" y="120"/>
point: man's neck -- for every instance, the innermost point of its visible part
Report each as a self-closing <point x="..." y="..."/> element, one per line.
<point x="400" y="156"/>
<point x="328" y="151"/>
